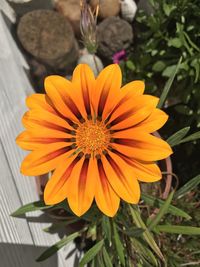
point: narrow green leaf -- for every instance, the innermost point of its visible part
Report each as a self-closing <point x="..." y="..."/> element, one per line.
<point x="163" y="210"/>
<point x="134" y="232"/>
<point x="147" y="235"/>
<point x="106" y="227"/>
<point x="159" y="203"/>
<point x="191" y="137"/>
<point x="53" y="249"/>
<point x="174" y="229"/>
<point x="106" y="257"/>
<point x="189" y="186"/>
<point x="176" y="138"/>
<point x="168" y="85"/>
<point x="118" y="245"/>
<point x="144" y="251"/>
<point x="91" y="253"/>
<point x="38" y="205"/>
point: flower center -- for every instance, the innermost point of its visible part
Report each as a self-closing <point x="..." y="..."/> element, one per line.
<point x="92" y="137"/>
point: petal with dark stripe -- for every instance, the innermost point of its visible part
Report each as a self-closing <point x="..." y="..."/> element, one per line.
<point x="141" y="146"/>
<point x="59" y="91"/>
<point x="106" y="198"/>
<point x="57" y="187"/>
<point x="83" y="81"/>
<point x="108" y="84"/>
<point x="121" y="177"/>
<point x="42" y="161"/>
<point x="82" y="185"/>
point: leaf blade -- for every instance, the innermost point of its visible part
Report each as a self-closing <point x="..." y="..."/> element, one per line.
<point x="176" y="138"/>
<point x="189" y="186"/>
<point x="176" y="229"/>
<point x="53" y="249"/>
<point x="91" y="253"/>
<point x="33" y="206"/>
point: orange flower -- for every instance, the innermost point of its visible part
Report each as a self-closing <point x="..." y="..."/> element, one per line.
<point x="95" y="136"/>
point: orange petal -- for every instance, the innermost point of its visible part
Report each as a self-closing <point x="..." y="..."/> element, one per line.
<point x="59" y="91"/>
<point x="108" y="84"/>
<point x="42" y="161"/>
<point x="121" y="177"/>
<point x="106" y="198"/>
<point x="57" y="187"/>
<point x="83" y="81"/>
<point x="144" y="172"/>
<point x="132" y="112"/>
<point x="154" y="122"/>
<point x="31" y="140"/>
<point x="141" y="146"/>
<point x="81" y="186"/>
<point x="34" y="119"/>
<point x="36" y="101"/>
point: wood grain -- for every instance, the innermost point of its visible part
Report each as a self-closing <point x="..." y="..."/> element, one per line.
<point x="21" y="240"/>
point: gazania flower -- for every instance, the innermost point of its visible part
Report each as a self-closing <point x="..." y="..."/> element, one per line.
<point x="96" y="137"/>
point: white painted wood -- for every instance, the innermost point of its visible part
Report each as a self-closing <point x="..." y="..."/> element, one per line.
<point x="21" y="240"/>
<point x="7" y="10"/>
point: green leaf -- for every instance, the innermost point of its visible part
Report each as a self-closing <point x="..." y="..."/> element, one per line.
<point x="158" y="66"/>
<point x="38" y="205"/>
<point x="130" y="65"/>
<point x="168" y="72"/>
<point x="168" y="85"/>
<point x="91" y="253"/>
<point x="106" y="257"/>
<point x="191" y="137"/>
<point x="106" y="227"/>
<point x="175" y="42"/>
<point x="163" y="210"/>
<point x="177" y="137"/>
<point x="53" y="249"/>
<point x="118" y="244"/>
<point x="147" y="235"/>
<point x="159" y="203"/>
<point x="134" y="232"/>
<point x="189" y="186"/>
<point x="174" y="229"/>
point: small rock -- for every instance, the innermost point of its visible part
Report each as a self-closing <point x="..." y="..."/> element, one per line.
<point x="128" y="9"/>
<point x="107" y="8"/>
<point x="48" y="37"/>
<point x="70" y="9"/>
<point x="113" y="34"/>
<point x="95" y="64"/>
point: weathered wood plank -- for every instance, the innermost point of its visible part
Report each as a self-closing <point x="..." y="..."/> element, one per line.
<point x="22" y="239"/>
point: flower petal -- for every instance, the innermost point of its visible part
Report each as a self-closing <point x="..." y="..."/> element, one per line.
<point x="141" y="146"/>
<point x="44" y="160"/>
<point x="32" y="140"/>
<point x="82" y="185"/>
<point x="57" y="186"/>
<point x="154" y="122"/>
<point x="108" y="84"/>
<point x="83" y="81"/>
<point x="132" y="112"/>
<point x="59" y="90"/>
<point x="106" y="198"/>
<point x="40" y="101"/>
<point x="121" y="177"/>
<point x="34" y="119"/>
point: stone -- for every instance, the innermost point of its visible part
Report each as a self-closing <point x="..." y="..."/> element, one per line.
<point x="113" y="35"/>
<point x="128" y="9"/>
<point x="107" y="8"/>
<point x="95" y="63"/>
<point x="70" y="9"/>
<point x="48" y="37"/>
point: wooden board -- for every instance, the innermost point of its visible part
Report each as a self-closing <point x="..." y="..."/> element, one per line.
<point x="21" y="240"/>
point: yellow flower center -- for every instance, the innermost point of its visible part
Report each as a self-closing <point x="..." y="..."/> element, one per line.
<point x="92" y="137"/>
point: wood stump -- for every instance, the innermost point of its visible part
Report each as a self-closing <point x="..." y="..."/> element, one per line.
<point x="113" y="34"/>
<point x="48" y="37"/>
